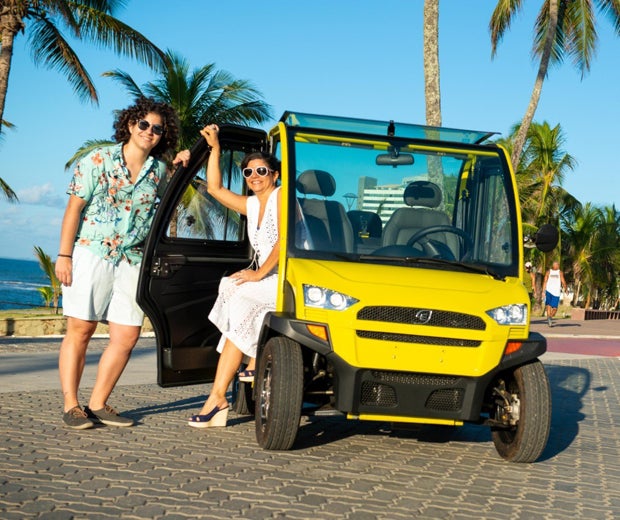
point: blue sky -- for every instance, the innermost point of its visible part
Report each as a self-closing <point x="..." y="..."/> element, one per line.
<point x="357" y="58"/>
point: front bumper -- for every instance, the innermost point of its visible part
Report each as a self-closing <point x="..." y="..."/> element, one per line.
<point x="369" y="393"/>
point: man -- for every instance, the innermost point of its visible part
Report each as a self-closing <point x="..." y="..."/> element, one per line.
<point x="112" y="201"/>
<point x="553" y="285"/>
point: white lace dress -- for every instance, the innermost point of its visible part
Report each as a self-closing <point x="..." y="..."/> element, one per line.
<point x="239" y="310"/>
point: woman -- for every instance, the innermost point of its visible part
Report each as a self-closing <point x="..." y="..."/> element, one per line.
<point x="111" y="206"/>
<point x="245" y="296"/>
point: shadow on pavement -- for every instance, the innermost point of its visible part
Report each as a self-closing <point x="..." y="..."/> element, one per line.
<point x="324" y="430"/>
<point x="190" y="403"/>
<point x="568" y="386"/>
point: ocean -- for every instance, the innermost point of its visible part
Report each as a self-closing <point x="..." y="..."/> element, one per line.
<point x="19" y="280"/>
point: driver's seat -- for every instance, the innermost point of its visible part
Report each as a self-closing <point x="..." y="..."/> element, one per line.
<point x="422" y="198"/>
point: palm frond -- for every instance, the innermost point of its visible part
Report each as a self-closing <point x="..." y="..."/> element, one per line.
<point x="125" y="80"/>
<point x="581" y="37"/>
<point x="53" y="51"/>
<point x="106" y="30"/>
<point x="5" y="124"/>
<point x="85" y="149"/>
<point x="52" y="293"/>
<point x="45" y="262"/>
<point x="500" y="20"/>
<point x="7" y="191"/>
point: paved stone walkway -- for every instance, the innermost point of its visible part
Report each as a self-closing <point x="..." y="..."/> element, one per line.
<point x="162" y="469"/>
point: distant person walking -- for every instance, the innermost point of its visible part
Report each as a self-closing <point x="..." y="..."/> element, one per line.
<point x="111" y="206"/>
<point x="529" y="268"/>
<point x="553" y="285"/>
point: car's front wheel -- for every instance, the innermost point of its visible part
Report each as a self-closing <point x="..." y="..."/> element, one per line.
<point x="523" y="404"/>
<point x="279" y="393"/>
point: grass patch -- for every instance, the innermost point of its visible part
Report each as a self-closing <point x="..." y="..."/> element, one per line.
<point x="29" y="313"/>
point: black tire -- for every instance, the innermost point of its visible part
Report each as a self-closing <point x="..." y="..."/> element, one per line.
<point x="242" y="401"/>
<point x="279" y="392"/>
<point x="526" y="441"/>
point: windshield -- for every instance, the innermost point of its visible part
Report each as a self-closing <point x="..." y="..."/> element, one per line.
<point x="385" y="198"/>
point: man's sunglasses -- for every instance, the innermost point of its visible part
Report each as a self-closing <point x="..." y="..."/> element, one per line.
<point x="143" y="124"/>
<point x="261" y="170"/>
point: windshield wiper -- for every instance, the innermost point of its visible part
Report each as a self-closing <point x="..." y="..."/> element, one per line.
<point x="436" y="261"/>
<point x="480" y="269"/>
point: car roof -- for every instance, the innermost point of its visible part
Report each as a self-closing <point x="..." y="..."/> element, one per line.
<point x="389" y="128"/>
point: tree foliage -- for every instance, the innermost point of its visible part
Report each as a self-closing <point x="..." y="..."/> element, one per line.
<point x="563" y="29"/>
<point x="51" y="294"/>
<point x="589" y="249"/>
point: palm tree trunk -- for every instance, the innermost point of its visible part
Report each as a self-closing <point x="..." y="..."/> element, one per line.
<point x="577" y="293"/>
<point x="432" y="93"/>
<point x="519" y="141"/>
<point x="11" y="17"/>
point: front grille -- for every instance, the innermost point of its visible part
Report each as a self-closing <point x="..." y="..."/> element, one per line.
<point x="445" y="400"/>
<point x="416" y="316"/>
<point x="411" y="378"/>
<point x="376" y="394"/>
<point x="414" y="338"/>
<point x="440" y="393"/>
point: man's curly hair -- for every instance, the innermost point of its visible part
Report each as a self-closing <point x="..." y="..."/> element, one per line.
<point x="143" y="106"/>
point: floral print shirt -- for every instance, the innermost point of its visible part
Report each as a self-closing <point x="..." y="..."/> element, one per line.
<point x="118" y="213"/>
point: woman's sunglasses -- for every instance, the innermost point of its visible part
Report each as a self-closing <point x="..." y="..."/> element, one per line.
<point x="143" y="124"/>
<point x="261" y="170"/>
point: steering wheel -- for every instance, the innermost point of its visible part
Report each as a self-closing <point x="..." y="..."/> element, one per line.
<point x="432" y="247"/>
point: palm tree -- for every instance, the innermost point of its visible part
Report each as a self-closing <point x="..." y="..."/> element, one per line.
<point x="200" y="96"/>
<point x="85" y="20"/>
<point x="55" y="288"/>
<point x="564" y="28"/>
<point x="544" y="165"/>
<point x="592" y="238"/>
<point x="579" y="230"/>
<point x="539" y="176"/>
<point x="606" y="271"/>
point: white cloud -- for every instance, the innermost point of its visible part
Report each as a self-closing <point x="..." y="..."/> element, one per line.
<point x="42" y="195"/>
<point x="24" y="226"/>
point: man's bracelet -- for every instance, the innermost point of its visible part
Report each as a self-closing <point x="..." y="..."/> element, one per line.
<point x="65" y="256"/>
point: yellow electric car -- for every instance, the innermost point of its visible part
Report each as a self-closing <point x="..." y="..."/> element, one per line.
<point x="400" y="290"/>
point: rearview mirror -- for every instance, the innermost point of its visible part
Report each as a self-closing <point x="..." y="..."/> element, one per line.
<point x="394" y="159"/>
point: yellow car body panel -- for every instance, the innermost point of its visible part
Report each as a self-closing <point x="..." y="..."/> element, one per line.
<point x="395" y="286"/>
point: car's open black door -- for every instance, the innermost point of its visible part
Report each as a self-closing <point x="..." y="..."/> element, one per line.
<point x="193" y="242"/>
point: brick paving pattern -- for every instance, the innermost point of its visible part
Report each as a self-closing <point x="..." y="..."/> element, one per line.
<point x="338" y="469"/>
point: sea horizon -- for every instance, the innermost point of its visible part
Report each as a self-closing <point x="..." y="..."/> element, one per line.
<point x="20" y="280"/>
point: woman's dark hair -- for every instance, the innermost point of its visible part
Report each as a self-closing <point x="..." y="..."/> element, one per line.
<point x="139" y="110"/>
<point x="271" y="160"/>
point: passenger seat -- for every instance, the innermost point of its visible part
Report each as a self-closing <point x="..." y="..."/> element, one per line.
<point x="327" y="220"/>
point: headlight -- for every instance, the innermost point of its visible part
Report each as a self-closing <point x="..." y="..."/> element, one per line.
<point x="515" y="314"/>
<point x="322" y="298"/>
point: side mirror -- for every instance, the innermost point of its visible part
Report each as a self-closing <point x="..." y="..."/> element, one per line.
<point x="545" y="239"/>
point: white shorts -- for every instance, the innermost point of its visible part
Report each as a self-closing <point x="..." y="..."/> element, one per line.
<point x="101" y="291"/>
